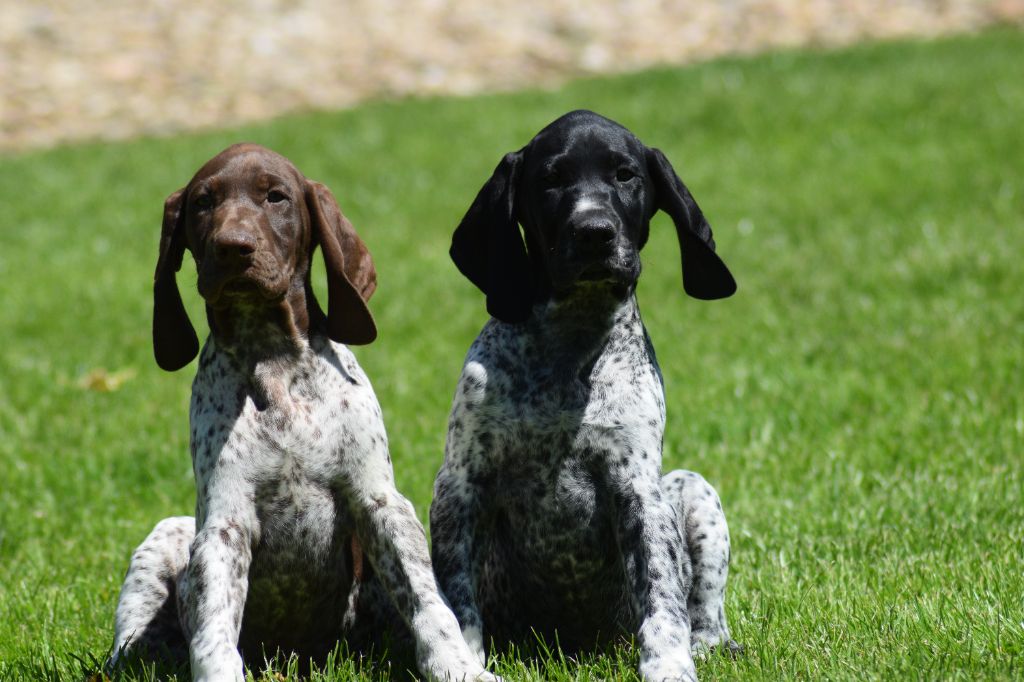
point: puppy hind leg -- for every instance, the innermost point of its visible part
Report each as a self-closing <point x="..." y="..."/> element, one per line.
<point x="147" y="623"/>
<point x="706" y="534"/>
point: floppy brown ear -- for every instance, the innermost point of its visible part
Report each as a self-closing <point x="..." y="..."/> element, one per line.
<point x="351" y="277"/>
<point x="705" y="275"/>
<point x="488" y="248"/>
<point x="174" y="339"/>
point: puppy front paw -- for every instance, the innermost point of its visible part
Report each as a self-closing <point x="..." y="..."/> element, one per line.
<point x="677" y="666"/>
<point x="475" y="641"/>
<point x="458" y="662"/>
<point x="703" y="645"/>
<point x="456" y="673"/>
<point x="223" y="665"/>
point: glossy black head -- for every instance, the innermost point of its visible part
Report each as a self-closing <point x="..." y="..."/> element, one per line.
<point x="584" y="190"/>
<point x="585" y="202"/>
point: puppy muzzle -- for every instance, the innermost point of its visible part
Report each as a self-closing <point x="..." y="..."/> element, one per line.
<point x="235" y="266"/>
<point x="595" y="250"/>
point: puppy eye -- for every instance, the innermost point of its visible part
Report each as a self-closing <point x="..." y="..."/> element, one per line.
<point x="624" y="175"/>
<point x="204" y="202"/>
<point x="551" y="178"/>
<point x="276" y="197"/>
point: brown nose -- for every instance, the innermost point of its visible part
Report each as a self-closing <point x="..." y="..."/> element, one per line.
<point x="232" y="246"/>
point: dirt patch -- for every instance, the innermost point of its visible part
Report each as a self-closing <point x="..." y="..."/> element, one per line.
<point x="77" y="69"/>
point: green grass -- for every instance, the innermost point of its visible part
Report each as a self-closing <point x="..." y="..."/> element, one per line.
<point x="858" y="404"/>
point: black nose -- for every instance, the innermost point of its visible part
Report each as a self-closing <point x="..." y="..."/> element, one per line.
<point x="594" y="234"/>
<point x="233" y="245"/>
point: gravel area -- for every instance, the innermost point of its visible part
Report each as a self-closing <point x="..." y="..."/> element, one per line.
<point x="78" y="69"/>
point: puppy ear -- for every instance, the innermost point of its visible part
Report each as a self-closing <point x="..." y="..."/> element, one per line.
<point x="174" y="339"/>
<point x="705" y="276"/>
<point x="351" y="277"/>
<point x="488" y="248"/>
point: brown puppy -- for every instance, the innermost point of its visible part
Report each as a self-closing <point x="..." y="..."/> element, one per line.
<point x="299" y="537"/>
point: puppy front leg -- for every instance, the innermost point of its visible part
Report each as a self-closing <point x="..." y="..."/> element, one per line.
<point x="452" y="532"/>
<point x="396" y="545"/>
<point x="216" y="584"/>
<point x="658" y="576"/>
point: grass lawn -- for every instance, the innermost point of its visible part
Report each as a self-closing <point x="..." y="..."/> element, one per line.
<point x="858" y="404"/>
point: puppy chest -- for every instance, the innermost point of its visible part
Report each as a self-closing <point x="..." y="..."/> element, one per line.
<point x="549" y="509"/>
<point x="298" y="519"/>
<point x="235" y="423"/>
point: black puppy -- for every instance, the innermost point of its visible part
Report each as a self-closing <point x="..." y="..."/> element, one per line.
<point x="551" y="513"/>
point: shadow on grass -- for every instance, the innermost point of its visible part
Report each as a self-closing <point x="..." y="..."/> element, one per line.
<point x="544" y="660"/>
<point x="537" y="660"/>
<point x="339" y="664"/>
<point x="615" y="660"/>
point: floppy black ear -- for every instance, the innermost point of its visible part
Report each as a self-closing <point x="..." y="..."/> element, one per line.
<point x="351" y="277"/>
<point x="174" y="338"/>
<point x="705" y="276"/>
<point x="488" y="248"/>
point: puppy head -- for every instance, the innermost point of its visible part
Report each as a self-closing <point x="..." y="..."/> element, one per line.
<point x="251" y="220"/>
<point x="585" y="202"/>
<point x="584" y="190"/>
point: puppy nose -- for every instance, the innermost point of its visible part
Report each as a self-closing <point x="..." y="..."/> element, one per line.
<point x="594" y="233"/>
<point x="233" y="245"/>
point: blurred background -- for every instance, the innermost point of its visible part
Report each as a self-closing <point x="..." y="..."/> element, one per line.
<point x="81" y="69"/>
